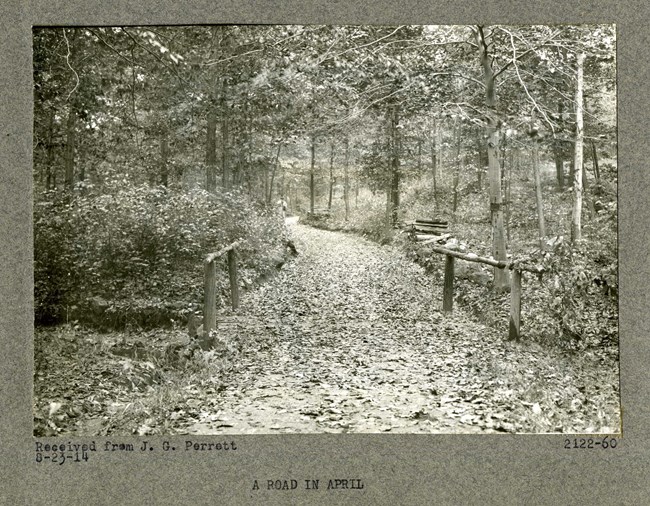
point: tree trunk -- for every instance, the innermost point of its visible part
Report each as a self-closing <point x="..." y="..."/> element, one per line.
<point x="508" y="192"/>
<point x="395" y="165"/>
<point x="311" y="175"/>
<point x="50" y="152"/>
<point x="346" y="178"/>
<point x="69" y="150"/>
<point x="283" y="194"/>
<point x="332" y="179"/>
<point x="225" y="161"/>
<point x="209" y="304"/>
<point x="457" y="169"/>
<point x="249" y="148"/>
<point x="501" y="281"/>
<point x="572" y="162"/>
<point x="211" y="152"/>
<point x="576" y="231"/>
<point x="479" y="159"/>
<point x="434" y="164"/>
<point x="232" y="274"/>
<point x="275" y="167"/>
<point x="538" y="197"/>
<point x="448" y="289"/>
<point x="558" y="154"/>
<point x="439" y="153"/>
<point x="514" y="331"/>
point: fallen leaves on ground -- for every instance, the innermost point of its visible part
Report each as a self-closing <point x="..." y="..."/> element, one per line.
<point x="349" y="337"/>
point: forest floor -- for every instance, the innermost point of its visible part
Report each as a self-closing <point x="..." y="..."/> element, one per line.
<point x="347" y="337"/>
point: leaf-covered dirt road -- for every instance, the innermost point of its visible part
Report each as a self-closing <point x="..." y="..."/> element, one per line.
<point x="349" y="337"/>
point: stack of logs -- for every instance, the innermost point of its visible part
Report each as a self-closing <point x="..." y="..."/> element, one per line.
<point x="425" y="230"/>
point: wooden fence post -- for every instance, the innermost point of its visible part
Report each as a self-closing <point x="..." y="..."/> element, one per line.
<point x="209" y="304"/>
<point x="448" y="293"/>
<point x="515" y="306"/>
<point x="232" y="272"/>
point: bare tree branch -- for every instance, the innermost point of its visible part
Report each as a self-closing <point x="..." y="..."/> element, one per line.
<point x="67" y="60"/>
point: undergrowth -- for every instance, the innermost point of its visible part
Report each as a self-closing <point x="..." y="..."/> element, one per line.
<point x="573" y="305"/>
<point x="134" y="255"/>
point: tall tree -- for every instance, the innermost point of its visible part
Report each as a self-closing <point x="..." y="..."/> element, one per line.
<point x="538" y="196"/>
<point x="576" y="227"/>
<point x="346" y="177"/>
<point x="492" y="134"/>
<point x="211" y="151"/>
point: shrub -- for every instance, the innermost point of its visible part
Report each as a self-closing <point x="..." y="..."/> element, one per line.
<point x="140" y="246"/>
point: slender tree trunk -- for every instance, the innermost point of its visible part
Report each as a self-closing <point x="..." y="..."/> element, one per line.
<point x="311" y="175"/>
<point x="572" y="162"/>
<point x="50" y="152"/>
<point x="558" y="154"/>
<point x="225" y="155"/>
<point x="211" y="152"/>
<point x="283" y="194"/>
<point x="439" y="154"/>
<point x="332" y="179"/>
<point x="275" y="167"/>
<point x="434" y="148"/>
<point x="454" y="206"/>
<point x="479" y="158"/>
<point x="69" y="150"/>
<point x="508" y="192"/>
<point x="395" y="166"/>
<point x="576" y="227"/>
<point x="395" y="197"/>
<point x="457" y="169"/>
<point x="538" y="197"/>
<point x="346" y="178"/>
<point x="249" y="150"/>
<point x="389" y="167"/>
<point x="434" y="164"/>
<point x="136" y="136"/>
<point x="501" y="281"/>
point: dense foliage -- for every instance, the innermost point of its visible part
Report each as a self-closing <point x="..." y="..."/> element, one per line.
<point x="135" y="248"/>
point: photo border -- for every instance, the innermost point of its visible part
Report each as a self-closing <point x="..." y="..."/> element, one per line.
<point x="397" y="469"/>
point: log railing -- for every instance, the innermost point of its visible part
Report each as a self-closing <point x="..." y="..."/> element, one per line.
<point x="210" y="287"/>
<point x="514" y="331"/>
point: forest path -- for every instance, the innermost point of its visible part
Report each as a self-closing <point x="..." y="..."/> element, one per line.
<point x="354" y="342"/>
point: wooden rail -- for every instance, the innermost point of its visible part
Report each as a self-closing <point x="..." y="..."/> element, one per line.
<point x="210" y="287"/>
<point x="514" y="330"/>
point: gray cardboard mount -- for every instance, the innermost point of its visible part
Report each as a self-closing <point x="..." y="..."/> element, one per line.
<point x="395" y="469"/>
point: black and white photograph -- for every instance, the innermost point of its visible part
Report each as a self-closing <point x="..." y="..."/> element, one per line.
<point x="281" y="229"/>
